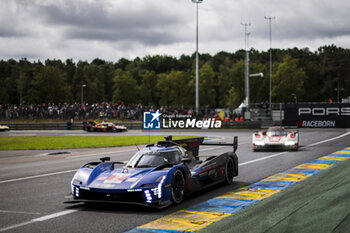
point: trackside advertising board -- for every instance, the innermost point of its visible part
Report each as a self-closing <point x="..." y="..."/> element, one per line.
<point x="157" y="120"/>
<point x="326" y="115"/>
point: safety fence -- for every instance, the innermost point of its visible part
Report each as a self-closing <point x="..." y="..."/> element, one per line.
<point x="129" y="125"/>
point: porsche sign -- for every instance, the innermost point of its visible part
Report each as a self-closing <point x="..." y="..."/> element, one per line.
<point x="327" y="115"/>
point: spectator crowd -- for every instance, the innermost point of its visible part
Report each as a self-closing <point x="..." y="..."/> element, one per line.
<point x="77" y="111"/>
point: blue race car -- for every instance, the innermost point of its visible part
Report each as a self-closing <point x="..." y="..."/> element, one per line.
<point x="155" y="176"/>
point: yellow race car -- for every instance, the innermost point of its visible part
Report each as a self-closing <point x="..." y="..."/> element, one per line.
<point x="94" y="126"/>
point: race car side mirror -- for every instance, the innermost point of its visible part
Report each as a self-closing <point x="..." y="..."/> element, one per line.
<point x="235" y="143"/>
<point x="168" y="138"/>
<point x="186" y="160"/>
<point x="103" y="159"/>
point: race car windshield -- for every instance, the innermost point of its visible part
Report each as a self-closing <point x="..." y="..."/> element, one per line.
<point x="275" y="133"/>
<point x="144" y="159"/>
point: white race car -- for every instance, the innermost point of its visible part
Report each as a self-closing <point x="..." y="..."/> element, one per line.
<point x="4" y="128"/>
<point x="276" y="138"/>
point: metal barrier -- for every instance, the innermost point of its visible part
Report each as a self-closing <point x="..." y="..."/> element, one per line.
<point x="60" y="125"/>
<point x="129" y="125"/>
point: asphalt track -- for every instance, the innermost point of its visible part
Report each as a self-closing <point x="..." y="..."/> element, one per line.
<point x="33" y="183"/>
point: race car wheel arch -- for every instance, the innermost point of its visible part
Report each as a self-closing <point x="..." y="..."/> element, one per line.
<point x="230" y="171"/>
<point x="178" y="187"/>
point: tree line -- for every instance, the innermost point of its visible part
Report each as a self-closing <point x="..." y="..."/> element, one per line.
<point x="161" y="80"/>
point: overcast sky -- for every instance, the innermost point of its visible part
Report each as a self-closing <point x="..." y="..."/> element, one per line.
<point x="112" y="29"/>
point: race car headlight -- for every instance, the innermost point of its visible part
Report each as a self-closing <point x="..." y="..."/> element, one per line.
<point x="260" y="143"/>
<point x="76" y="192"/>
<point x="157" y="191"/>
<point x="148" y="196"/>
<point x="289" y="143"/>
<point x="75" y="182"/>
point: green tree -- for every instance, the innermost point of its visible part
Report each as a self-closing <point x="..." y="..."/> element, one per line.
<point x="22" y="83"/>
<point x="233" y="99"/>
<point x="259" y="86"/>
<point x="95" y="83"/>
<point x="49" y="85"/>
<point x="207" y="85"/>
<point x="320" y="73"/>
<point x="288" y="79"/>
<point x="158" y="63"/>
<point x="98" y="77"/>
<point x="174" y="89"/>
<point x="231" y="79"/>
<point x="79" y="79"/>
<point x="9" y="76"/>
<point x="125" y="88"/>
<point x="4" y="97"/>
<point x="335" y="69"/>
<point x="148" y="88"/>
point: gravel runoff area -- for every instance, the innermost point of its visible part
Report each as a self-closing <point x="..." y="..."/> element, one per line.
<point x="320" y="203"/>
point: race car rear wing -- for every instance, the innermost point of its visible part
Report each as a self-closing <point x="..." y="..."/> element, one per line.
<point x="192" y="144"/>
<point x="234" y="144"/>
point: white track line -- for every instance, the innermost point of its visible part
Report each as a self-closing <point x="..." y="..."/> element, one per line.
<point x="263" y="158"/>
<point x="40" y="219"/>
<point x="37" y="176"/>
<point x="327" y="140"/>
<point x="15" y="135"/>
<point x="16" y="212"/>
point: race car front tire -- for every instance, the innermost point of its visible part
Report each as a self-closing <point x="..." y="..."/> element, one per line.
<point x="178" y="187"/>
<point x="230" y="171"/>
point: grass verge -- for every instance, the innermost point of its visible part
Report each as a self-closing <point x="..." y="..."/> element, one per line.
<point x="70" y="142"/>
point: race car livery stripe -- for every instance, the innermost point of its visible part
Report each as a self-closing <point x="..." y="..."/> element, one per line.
<point x="203" y="214"/>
